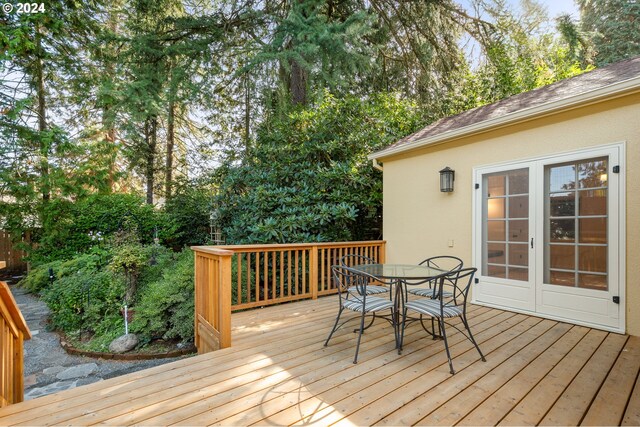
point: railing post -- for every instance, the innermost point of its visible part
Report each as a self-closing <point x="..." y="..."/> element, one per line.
<point x="224" y="301"/>
<point x="383" y="252"/>
<point x="14" y="331"/>
<point x="212" y="298"/>
<point x="313" y="271"/>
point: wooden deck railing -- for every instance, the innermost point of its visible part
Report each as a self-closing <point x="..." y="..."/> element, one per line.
<point x="229" y="278"/>
<point x="13" y="330"/>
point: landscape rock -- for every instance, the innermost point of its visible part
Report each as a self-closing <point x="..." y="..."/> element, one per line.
<point x="78" y="371"/>
<point x="124" y="343"/>
<point x="54" y="370"/>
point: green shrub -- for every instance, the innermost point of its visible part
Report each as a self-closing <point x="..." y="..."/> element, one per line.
<point x="88" y="300"/>
<point x="307" y="177"/>
<point x="89" y="291"/>
<point x="92" y="221"/>
<point x="187" y="214"/>
<point x="38" y="278"/>
<point x="166" y="306"/>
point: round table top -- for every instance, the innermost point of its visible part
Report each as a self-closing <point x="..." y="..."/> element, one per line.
<point x="399" y="271"/>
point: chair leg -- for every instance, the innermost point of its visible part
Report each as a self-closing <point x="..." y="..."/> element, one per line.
<point x="446" y="344"/>
<point x="335" y="325"/>
<point x="373" y="317"/>
<point x="400" y="340"/>
<point x="355" y="359"/>
<point x="430" y="331"/>
<point x="473" y="340"/>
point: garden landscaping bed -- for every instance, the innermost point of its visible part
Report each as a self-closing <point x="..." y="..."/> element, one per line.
<point x="155" y="350"/>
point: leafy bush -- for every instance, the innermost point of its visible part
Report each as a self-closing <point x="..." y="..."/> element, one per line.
<point x="38" y="279"/>
<point x="166" y="306"/>
<point x="308" y="177"/>
<point x="90" y="221"/>
<point x="88" y="300"/>
<point x="89" y="291"/>
<point x="187" y="214"/>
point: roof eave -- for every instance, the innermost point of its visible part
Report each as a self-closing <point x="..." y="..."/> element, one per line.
<point x="585" y="98"/>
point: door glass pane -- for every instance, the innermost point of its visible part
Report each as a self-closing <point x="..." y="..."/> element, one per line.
<point x="593" y="281"/>
<point x="562" y="230"/>
<point x="593" y="173"/>
<point x="518" y="230"/>
<point x="518" y="254"/>
<point x="592" y="258"/>
<point x="576" y="216"/>
<point x="562" y="204"/>
<point x="593" y="202"/>
<point x="495" y="185"/>
<point x="519" y="182"/>
<point x="496" y="230"/>
<point x="562" y="178"/>
<point x="562" y="278"/>
<point x="593" y="230"/>
<point x="562" y="257"/>
<point x="519" y="207"/>
<point x="496" y="208"/>
<point x="497" y="253"/>
<point x="505" y="246"/>
<point x="496" y="271"/>
<point x="518" y="274"/>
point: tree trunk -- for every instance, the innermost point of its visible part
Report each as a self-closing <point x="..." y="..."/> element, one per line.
<point x="298" y="85"/>
<point x="108" y="116"/>
<point x="151" y="135"/>
<point x="170" y="144"/>
<point x="42" y="117"/>
<point x="247" y="114"/>
<point x="110" y="138"/>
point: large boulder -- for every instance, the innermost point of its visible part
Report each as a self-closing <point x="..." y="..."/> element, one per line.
<point x="124" y="343"/>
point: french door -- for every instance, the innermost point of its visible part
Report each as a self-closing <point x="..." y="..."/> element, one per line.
<point x="548" y="237"/>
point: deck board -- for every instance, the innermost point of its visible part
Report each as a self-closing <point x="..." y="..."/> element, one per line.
<point x="504" y="399"/>
<point x="278" y="372"/>
<point x="570" y="408"/>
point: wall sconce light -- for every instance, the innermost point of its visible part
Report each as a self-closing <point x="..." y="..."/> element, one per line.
<point x="447" y="176"/>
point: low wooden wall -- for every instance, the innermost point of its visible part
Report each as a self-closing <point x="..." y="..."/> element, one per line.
<point x="13" y="331"/>
<point x="239" y="277"/>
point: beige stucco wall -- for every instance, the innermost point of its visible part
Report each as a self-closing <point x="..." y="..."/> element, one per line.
<point x="419" y="220"/>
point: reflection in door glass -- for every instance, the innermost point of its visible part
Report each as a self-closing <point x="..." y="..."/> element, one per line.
<point x="505" y="247"/>
<point x="576" y="219"/>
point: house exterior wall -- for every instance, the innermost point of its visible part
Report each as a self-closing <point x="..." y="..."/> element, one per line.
<point x="420" y="221"/>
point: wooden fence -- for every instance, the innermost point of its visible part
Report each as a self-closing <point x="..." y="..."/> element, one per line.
<point x="13" y="330"/>
<point x="230" y="278"/>
<point x="12" y="256"/>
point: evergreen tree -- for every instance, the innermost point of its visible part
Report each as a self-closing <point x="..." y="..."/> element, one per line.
<point x="615" y="28"/>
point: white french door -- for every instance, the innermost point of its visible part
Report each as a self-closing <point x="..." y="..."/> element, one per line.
<point x="549" y="234"/>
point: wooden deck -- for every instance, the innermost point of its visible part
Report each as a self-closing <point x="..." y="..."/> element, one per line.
<point x="277" y="372"/>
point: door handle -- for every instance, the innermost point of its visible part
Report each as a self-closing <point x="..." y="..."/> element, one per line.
<point x="532" y="243"/>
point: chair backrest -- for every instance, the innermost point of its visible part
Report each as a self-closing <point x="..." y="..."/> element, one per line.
<point x="443" y="262"/>
<point x="458" y="283"/>
<point x="353" y="259"/>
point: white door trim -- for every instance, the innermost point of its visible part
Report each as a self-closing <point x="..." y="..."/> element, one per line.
<point x="618" y="190"/>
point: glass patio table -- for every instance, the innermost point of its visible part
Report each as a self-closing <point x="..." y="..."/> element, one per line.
<point x="401" y="276"/>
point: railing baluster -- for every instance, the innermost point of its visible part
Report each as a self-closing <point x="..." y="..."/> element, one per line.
<point x="304" y="273"/>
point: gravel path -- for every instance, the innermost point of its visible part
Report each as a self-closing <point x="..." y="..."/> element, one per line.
<point x="48" y="368"/>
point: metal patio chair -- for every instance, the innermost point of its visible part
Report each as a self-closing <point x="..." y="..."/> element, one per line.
<point x="443" y="262"/>
<point x="351" y="260"/>
<point x="443" y="308"/>
<point x="352" y="295"/>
